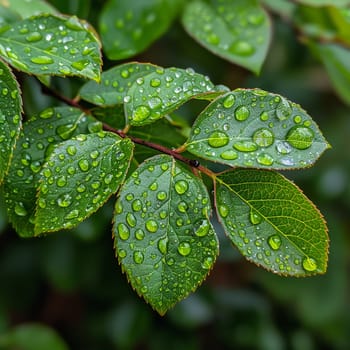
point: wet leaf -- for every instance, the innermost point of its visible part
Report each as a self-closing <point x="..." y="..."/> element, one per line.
<point x="325" y="2"/>
<point x="336" y="60"/>
<point x="254" y="128"/>
<point x="115" y="83"/>
<point x="271" y="222"/>
<point x="154" y="95"/>
<point x="284" y="8"/>
<point x="29" y="8"/>
<point x="52" y="45"/>
<point x="129" y="27"/>
<point x="163" y="237"/>
<point x="78" y="178"/>
<point x="238" y="31"/>
<point x="10" y="117"/>
<point x="36" y="141"/>
<point x="8" y="16"/>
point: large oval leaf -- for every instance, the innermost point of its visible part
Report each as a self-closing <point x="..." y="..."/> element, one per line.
<point x="36" y="141"/>
<point x="115" y="83"/>
<point x="163" y="237"/>
<point x="254" y="128"/>
<point x="10" y="117"/>
<point x="153" y="96"/>
<point x="271" y="222"/>
<point x="238" y="31"/>
<point x="51" y="45"/>
<point x="78" y="178"/>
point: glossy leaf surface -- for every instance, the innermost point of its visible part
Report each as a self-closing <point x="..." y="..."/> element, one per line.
<point x="163" y="237"/>
<point x="271" y="222"/>
<point x="51" y="45"/>
<point x="29" y="8"/>
<point x="153" y="96"/>
<point x="254" y="128"/>
<point x="238" y="31"/>
<point x="128" y="27"/>
<point x="10" y="117"/>
<point x="115" y="83"/>
<point x="36" y="141"/>
<point x="78" y="178"/>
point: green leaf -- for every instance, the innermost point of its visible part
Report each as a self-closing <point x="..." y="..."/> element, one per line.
<point x="284" y="8"/>
<point x="113" y="116"/>
<point x="163" y="237"/>
<point x="129" y="27"/>
<point x="37" y="139"/>
<point x="32" y="336"/>
<point x="254" y="128"/>
<point x="10" y="117"/>
<point x="78" y="178"/>
<point x="27" y="8"/>
<point x="271" y="222"/>
<point x="52" y="45"/>
<point x="238" y="31"/>
<point x="325" y="2"/>
<point x="154" y="95"/>
<point x="7" y="16"/>
<point x="336" y="60"/>
<point x="115" y="83"/>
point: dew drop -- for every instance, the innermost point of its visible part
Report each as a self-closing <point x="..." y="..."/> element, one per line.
<point x="73" y="214"/>
<point x="80" y="65"/>
<point x="297" y="119"/>
<point x="84" y="165"/>
<point x="283" y="147"/>
<point x="151" y="226"/>
<point x="263" y="137"/>
<point x="155" y="82"/>
<point x="207" y="263"/>
<point x="141" y="113"/>
<point x="153" y="186"/>
<point x="71" y="150"/>
<point x="66" y="131"/>
<point x="121" y="253"/>
<point x="33" y="37"/>
<point x="131" y="220"/>
<point x="283" y="110"/>
<point x="61" y="181"/>
<point x="309" y="264"/>
<point x="163" y="245"/>
<point x="264" y="116"/>
<point x="64" y="201"/>
<point x="265" y="159"/>
<point x="123" y="231"/>
<point x="42" y="60"/>
<point x="203" y="229"/>
<point x="161" y="195"/>
<point x="254" y="217"/>
<point x="138" y="257"/>
<point x="136" y="205"/>
<point x="20" y="210"/>
<point x="242" y="48"/>
<point x="275" y="242"/>
<point x="181" y="186"/>
<point x="245" y="146"/>
<point x="300" y="137"/>
<point x="242" y="113"/>
<point x="223" y="210"/>
<point x="184" y="248"/>
<point x="218" y="139"/>
<point x="229" y="101"/>
<point x="182" y="206"/>
<point x="229" y="155"/>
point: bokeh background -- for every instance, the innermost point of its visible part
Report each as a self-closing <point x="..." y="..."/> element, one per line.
<point x="71" y="281"/>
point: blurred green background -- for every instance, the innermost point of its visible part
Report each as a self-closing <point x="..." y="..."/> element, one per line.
<point x="71" y="281"/>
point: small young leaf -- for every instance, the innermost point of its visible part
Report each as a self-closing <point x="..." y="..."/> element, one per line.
<point x="115" y="83"/>
<point x="154" y="95"/>
<point x="52" y="45"/>
<point x="128" y="27"/>
<point x="336" y="60"/>
<point x="271" y="222"/>
<point x="27" y="8"/>
<point x="37" y="139"/>
<point x="10" y="117"/>
<point x="163" y="237"/>
<point x="254" y="128"/>
<point x="78" y="178"/>
<point x="238" y="31"/>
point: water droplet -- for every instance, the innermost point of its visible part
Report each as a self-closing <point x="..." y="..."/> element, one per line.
<point x="229" y="101"/>
<point x="264" y="116"/>
<point x="161" y="195"/>
<point x="309" y="264"/>
<point x="242" y="48"/>
<point x="242" y="113"/>
<point x="275" y="242"/>
<point x="283" y="147"/>
<point x="283" y="110"/>
<point x="84" y="165"/>
<point x="155" y="102"/>
<point x="65" y="200"/>
<point x="181" y="186"/>
<point x="151" y="226"/>
<point x="184" y="248"/>
<point x="263" y="137"/>
<point x="61" y="181"/>
<point x="121" y="253"/>
<point x="138" y="257"/>
<point x="254" y="217"/>
<point x="20" y="210"/>
<point x="207" y="263"/>
<point x="203" y="228"/>
<point x="33" y="37"/>
<point x="123" y="231"/>
<point x="265" y="159"/>
<point x="153" y="187"/>
<point x="163" y="245"/>
<point x="136" y="205"/>
<point x="73" y="214"/>
<point x="223" y="210"/>
<point x="218" y="139"/>
<point x="245" y="146"/>
<point x="71" y="150"/>
<point x="141" y="113"/>
<point x="297" y="119"/>
<point x="182" y="206"/>
<point x="155" y="82"/>
<point x="42" y="60"/>
<point x="80" y="65"/>
<point x="229" y="155"/>
<point x="170" y="261"/>
<point x="300" y="137"/>
<point x="131" y="220"/>
<point x="66" y="131"/>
